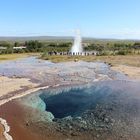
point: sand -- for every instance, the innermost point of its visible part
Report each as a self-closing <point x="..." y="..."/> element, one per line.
<point x="131" y="72"/>
<point x="8" y="85"/>
<point x="19" y="91"/>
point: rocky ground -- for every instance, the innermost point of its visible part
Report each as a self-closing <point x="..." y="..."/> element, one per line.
<point x="131" y="72"/>
<point x="113" y="115"/>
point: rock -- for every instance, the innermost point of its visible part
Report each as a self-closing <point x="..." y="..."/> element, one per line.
<point x="84" y="122"/>
<point x="106" y="120"/>
<point x="74" y="134"/>
<point x="112" y="120"/>
<point x="68" y="118"/>
<point x="78" y="118"/>
<point x="50" y="116"/>
<point x="27" y="123"/>
<point x="70" y="127"/>
<point x="76" y="60"/>
<point x="98" y="136"/>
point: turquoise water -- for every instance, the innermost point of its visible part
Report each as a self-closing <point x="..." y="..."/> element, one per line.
<point x="109" y="108"/>
<point x="75" y="101"/>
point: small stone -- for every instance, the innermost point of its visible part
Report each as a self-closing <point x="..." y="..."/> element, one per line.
<point x="68" y="118"/>
<point x="98" y="136"/>
<point x="70" y="127"/>
<point x="106" y="120"/>
<point x="27" y="123"/>
<point x="74" y="134"/>
<point x="75" y="60"/>
<point x="84" y="122"/>
<point x="79" y="118"/>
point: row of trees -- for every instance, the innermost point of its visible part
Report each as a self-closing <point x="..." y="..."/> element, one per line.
<point x="34" y="46"/>
<point x="115" y="49"/>
<point x="37" y="46"/>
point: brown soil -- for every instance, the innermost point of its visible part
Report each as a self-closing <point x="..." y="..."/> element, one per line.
<point x="14" y="115"/>
<point x="1" y="132"/>
<point x="20" y="129"/>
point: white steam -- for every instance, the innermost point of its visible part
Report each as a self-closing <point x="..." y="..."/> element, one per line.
<point x="77" y="46"/>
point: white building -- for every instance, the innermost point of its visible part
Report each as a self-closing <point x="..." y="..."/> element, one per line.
<point x="3" y="48"/>
<point x="20" y="47"/>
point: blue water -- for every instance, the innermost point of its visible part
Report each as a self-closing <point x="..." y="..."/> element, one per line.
<point x="75" y="101"/>
<point x="107" y="108"/>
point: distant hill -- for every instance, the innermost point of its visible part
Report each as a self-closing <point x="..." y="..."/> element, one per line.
<point x="41" y="38"/>
<point x="61" y="39"/>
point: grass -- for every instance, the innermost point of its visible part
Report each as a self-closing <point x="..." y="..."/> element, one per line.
<point x="130" y="60"/>
<point x="5" y="57"/>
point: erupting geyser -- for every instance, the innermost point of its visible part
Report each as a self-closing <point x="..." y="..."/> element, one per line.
<point x="77" y="48"/>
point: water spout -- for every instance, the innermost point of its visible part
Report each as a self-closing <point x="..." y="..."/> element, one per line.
<point x="77" y="48"/>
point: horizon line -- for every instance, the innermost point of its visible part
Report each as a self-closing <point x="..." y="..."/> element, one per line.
<point x="84" y="37"/>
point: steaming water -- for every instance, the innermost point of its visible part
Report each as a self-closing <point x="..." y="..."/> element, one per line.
<point x="77" y="47"/>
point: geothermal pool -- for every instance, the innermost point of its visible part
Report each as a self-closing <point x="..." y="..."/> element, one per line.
<point x="84" y="101"/>
<point x="103" y="110"/>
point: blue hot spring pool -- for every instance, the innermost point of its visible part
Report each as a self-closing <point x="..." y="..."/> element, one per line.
<point x="74" y="101"/>
<point x="109" y="106"/>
